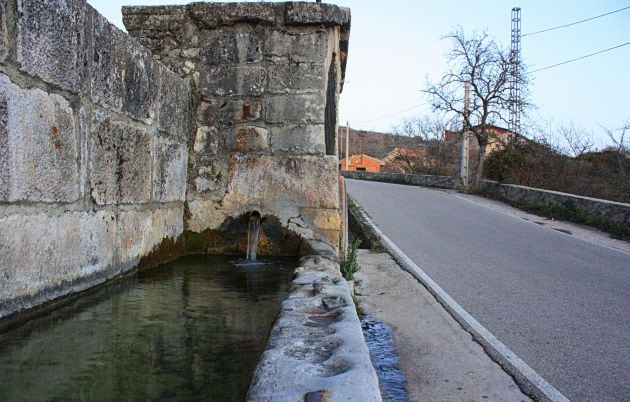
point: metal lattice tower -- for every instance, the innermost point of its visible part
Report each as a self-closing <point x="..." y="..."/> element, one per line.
<point x="515" y="72"/>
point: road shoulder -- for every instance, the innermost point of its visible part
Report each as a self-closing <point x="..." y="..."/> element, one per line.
<point x="439" y="358"/>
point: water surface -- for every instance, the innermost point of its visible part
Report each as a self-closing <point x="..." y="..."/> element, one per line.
<point x="193" y="329"/>
<point x="379" y="339"/>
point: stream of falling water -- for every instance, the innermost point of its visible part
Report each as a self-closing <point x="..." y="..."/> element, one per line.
<point x="252" y="235"/>
<point x="193" y="329"/>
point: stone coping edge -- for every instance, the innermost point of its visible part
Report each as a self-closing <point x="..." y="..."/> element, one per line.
<point x="316" y="346"/>
<point x="214" y="15"/>
<point x="447" y="182"/>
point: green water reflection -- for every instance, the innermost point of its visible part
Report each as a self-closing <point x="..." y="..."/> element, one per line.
<point x="193" y="329"/>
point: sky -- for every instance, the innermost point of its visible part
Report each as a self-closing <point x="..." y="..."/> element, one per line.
<point x="396" y="45"/>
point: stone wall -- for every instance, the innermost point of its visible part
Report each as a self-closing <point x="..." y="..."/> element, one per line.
<point x="266" y="79"/>
<point x="316" y="350"/>
<point x="611" y="213"/>
<point x="402" y="178"/>
<point x="93" y="151"/>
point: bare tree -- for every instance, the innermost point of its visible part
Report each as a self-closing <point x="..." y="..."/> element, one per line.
<point x="620" y="139"/>
<point x="577" y="143"/>
<point x="480" y="61"/>
<point x="577" y="140"/>
<point x="432" y="154"/>
<point x="621" y="149"/>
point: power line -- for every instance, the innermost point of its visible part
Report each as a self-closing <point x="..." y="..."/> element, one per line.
<point x="390" y="115"/>
<point x="576" y="22"/>
<point x="580" y="58"/>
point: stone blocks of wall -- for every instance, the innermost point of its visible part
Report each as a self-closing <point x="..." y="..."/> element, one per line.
<point x="93" y="151"/>
<point x="262" y="82"/>
<point x="402" y="178"/>
<point x="40" y="146"/>
<point x="612" y="212"/>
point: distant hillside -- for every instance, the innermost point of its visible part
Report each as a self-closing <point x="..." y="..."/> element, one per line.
<point x="374" y="143"/>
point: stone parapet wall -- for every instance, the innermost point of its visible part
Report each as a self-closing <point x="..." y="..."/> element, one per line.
<point x="402" y="178"/>
<point x="93" y="151"/>
<point x="597" y="212"/>
<point x="266" y="79"/>
<point x="611" y="212"/>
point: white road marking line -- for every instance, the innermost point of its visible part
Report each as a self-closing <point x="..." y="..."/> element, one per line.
<point x="524" y="375"/>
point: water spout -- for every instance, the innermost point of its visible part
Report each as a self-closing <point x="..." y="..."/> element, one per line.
<point x="252" y="235"/>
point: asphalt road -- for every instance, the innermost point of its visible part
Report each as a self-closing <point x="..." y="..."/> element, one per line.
<point x="560" y="303"/>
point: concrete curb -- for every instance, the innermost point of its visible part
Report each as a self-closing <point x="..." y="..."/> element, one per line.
<point x="528" y="380"/>
<point x="316" y="347"/>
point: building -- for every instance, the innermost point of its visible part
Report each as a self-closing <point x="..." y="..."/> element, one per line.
<point x="362" y="163"/>
<point x="498" y="137"/>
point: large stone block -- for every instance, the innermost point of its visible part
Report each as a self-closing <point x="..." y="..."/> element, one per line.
<point x="40" y="252"/>
<point x="299" y="47"/>
<point x="229" y="112"/>
<point x="140" y="231"/>
<point x="248" y="139"/>
<point x="209" y="15"/>
<point x="160" y="29"/>
<point x="283" y="181"/>
<point x="295" y="108"/>
<point x="120" y="162"/>
<point x="303" y="13"/>
<point x="208" y="142"/>
<point x="38" y="146"/>
<point x="219" y="47"/>
<point x="208" y="180"/>
<point x="242" y="44"/>
<point x="205" y="214"/>
<point x="273" y="185"/>
<point x="232" y="80"/>
<point x="175" y="105"/>
<point x="298" y="140"/>
<point x="296" y="78"/>
<point x="325" y="222"/>
<point x="51" y="41"/>
<point x="165" y="19"/>
<point x="169" y="170"/>
<point x="249" y="43"/>
<point x="123" y="72"/>
<point x="327" y="219"/>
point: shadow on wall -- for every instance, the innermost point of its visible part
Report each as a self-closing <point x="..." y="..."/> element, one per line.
<point x="231" y="238"/>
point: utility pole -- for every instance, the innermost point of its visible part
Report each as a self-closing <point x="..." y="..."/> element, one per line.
<point x="340" y="147"/>
<point x="515" y="75"/>
<point x="347" y="143"/>
<point x="465" y="128"/>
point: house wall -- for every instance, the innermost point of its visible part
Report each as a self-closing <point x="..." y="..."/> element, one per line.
<point x="93" y="151"/>
<point x="264" y="76"/>
<point x="360" y="163"/>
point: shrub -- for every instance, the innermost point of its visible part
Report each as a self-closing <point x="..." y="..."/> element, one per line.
<point x="350" y="264"/>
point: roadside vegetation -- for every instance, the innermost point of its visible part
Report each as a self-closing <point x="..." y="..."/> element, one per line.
<point x="350" y="264"/>
<point x="570" y="164"/>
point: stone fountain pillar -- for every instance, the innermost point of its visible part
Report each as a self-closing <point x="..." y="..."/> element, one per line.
<point x="266" y="83"/>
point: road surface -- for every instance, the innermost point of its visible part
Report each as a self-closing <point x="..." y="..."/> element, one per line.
<point x="562" y="304"/>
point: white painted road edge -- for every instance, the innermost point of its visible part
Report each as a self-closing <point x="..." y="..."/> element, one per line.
<point x="530" y="381"/>
<point x="534" y="223"/>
